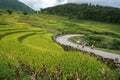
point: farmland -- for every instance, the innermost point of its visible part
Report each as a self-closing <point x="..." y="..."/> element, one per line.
<point x="26" y="39"/>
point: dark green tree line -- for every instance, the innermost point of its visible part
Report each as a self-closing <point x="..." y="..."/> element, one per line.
<point x="86" y="11"/>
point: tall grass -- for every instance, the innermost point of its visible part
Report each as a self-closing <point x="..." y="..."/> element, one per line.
<point x="39" y="49"/>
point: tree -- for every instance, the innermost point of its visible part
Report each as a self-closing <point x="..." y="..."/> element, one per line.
<point x="86" y="11"/>
<point x="9" y="11"/>
<point x="114" y="44"/>
<point x="25" y="13"/>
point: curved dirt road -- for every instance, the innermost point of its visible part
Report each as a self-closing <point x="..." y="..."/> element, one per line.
<point x="64" y="40"/>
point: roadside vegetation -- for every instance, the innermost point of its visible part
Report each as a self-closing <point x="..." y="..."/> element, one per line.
<point x="101" y="35"/>
<point x="101" y="42"/>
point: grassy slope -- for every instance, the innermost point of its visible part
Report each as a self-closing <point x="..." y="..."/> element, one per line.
<point x="106" y="30"/>
<point x="36" y="50"/>
<point x="62" y="22"/>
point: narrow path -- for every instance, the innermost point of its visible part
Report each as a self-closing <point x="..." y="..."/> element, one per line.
<point x="64" y="40"/>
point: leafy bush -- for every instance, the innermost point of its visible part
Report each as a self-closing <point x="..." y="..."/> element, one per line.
<point x="25" y="13"/>
<point x="9" y="11"/>
<point x="99" y="41"/>
<point x="6" y="73"/>
<point x="93" y="39"/>
<point x="114" y="44"/>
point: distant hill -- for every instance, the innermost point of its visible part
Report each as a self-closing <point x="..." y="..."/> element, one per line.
<point x="15" y="5"/>
<point x="86" y="11"/>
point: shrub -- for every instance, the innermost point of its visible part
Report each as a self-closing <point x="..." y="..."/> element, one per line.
<point x="93" y="39"/>
<point x="114" y="44"/>
<point x="9" y="11"/>
<point x="25" y="13"/>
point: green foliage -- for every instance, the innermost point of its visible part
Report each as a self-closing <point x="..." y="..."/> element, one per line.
<point x="114" y="44"/>
<point x="86" y="11"/>
<point x="103" y="30"/>
<point x="93" y="40"/>
<point x="100" y="41"/>
<point x="9" y="11"/>
<point x="15" y="5"/>
<point x="2" y="11"/>
<point x="3" y="21"/>
<point x="25" y="13"/>
<point x="33" y="46"/>
<point x="6" y="72"/>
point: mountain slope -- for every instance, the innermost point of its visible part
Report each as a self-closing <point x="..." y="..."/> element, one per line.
<point x="86" y="11"/>
<point x="15" y="5"/>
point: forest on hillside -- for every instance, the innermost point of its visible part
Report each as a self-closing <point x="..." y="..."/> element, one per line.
<point x="86" y="11"/>
<point x="15" y="5"/>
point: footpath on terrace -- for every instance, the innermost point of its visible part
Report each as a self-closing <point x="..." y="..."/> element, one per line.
<point x="64" y="41"/>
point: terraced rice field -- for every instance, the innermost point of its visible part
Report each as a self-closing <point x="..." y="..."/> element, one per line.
<point x="34" y="47"/>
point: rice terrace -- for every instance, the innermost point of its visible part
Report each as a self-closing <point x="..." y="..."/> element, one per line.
<point x="65" y="42"/>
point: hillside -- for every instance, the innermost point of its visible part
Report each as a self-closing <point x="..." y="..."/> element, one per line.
<point x="86" y="11"/>
<point x="15" y="5"/>
<point x="27" y="50"/>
